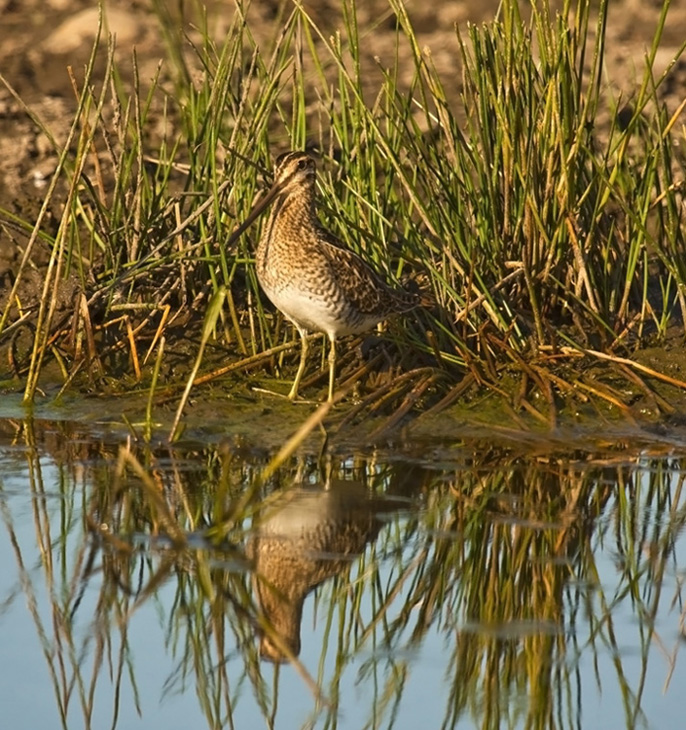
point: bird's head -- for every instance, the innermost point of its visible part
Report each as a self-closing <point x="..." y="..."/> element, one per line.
<point x="293" y="172"/>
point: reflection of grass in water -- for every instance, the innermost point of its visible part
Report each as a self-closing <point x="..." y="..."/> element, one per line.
<point x="539" y="240"/>
<point x="495" y="563"/>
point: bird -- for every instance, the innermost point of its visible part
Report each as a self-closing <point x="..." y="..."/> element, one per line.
<point x="309" y="274"/>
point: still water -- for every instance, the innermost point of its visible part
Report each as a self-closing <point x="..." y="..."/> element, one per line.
<point x="460" y="584"/>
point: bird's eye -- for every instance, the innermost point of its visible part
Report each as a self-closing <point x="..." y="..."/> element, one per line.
<point x="302" y="164"/>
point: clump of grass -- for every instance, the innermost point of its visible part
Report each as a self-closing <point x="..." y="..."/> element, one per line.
<point x="538" y="234"/>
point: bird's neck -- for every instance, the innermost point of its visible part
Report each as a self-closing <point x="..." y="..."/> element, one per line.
<point x="292" y="215"/>
<point x="297" y="208"/>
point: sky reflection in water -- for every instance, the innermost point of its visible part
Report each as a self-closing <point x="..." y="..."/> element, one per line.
<point x="502" y="590"/>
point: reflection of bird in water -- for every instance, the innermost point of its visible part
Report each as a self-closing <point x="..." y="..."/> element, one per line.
<point x="303" y="538"/>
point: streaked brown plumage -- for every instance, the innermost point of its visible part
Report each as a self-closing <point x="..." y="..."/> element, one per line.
<point x="309" y="274"/>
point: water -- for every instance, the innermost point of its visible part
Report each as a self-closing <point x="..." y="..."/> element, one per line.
<point x="451" y="584"/>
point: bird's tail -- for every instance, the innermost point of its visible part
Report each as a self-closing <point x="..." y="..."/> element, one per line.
<point x="417" y="286"/>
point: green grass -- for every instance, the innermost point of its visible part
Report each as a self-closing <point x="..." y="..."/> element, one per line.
<point x="538" y="234"/>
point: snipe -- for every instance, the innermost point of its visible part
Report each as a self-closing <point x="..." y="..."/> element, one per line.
<point x="310" y="275"/>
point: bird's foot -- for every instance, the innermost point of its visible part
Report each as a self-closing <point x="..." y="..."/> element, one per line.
<point x="295" y="400"/>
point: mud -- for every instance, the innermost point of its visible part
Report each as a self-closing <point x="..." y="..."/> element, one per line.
<point x="42" y="39"/>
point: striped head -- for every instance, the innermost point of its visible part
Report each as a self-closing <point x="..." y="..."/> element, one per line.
<point x="294" y="171"/>
<point x="294" y="174"/>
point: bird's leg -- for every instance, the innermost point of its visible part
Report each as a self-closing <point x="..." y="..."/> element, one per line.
<point x="332" y="366"/>
<point x="304" y="346"/>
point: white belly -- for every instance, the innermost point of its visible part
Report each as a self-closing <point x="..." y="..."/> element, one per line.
<point x="314" y="314"/>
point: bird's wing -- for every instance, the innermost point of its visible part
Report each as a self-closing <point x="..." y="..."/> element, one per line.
<point x="364" y="288"/>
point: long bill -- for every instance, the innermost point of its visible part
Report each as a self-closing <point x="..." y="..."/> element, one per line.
<point x="256" y="211"/>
